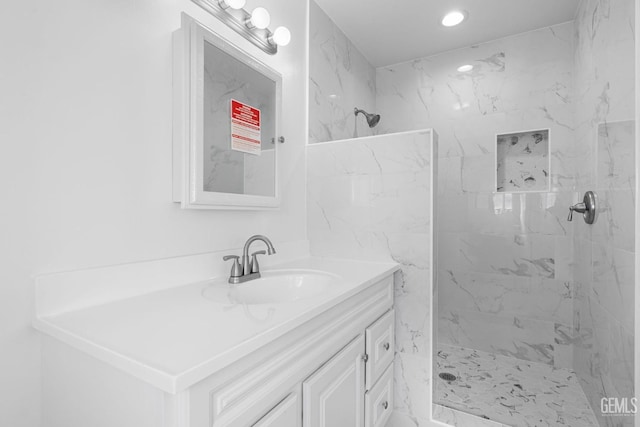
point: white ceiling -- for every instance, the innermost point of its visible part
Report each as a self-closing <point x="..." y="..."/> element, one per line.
<point x="389" y="32"/>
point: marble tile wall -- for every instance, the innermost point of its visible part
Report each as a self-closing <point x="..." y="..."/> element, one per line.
<point x="604" y="252"/>
<point x="370" y="198"/>
<point x="505" y="269"/>
<point x="340" y="79"/>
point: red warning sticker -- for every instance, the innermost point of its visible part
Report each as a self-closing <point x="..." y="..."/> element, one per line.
<point x="245" y="128"/>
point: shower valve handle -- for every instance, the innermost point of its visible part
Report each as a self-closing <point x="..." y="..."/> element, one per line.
<point x="578" y="207"/>
<point x="587" y="208"/>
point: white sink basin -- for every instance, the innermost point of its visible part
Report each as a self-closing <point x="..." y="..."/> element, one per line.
<point x="275" y="286"/>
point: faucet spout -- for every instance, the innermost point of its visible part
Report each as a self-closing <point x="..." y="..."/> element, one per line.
<point x="246" y="265"/>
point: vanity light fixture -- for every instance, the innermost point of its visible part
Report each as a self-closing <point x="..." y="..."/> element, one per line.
<point x="260" y="18"/>
<point x="453" y="18"/>
<point x="233" y="4"/>
<point x="252" y="26"/>
<point x="281" y="36"/>
<point x="465" y="68"/>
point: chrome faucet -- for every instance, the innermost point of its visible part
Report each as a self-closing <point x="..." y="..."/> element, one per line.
<point x="249" y="269"/>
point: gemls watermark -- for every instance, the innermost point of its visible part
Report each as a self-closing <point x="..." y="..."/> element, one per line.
<point x="618" y="406"/>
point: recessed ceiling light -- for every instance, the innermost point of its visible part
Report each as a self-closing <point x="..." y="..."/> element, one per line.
<point x="465" y="68"/>
<point x="453" y="18"/>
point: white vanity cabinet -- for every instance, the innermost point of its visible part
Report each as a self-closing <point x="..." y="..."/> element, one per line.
<point x="340" y="394"/>
<point x="318" y="371"/>
<point x="285" y="414"/>
<point x="173" y="358"/>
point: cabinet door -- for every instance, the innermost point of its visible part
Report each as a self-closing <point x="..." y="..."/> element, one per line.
<point x="285" y="414"/>
<point x="334" y="395"/>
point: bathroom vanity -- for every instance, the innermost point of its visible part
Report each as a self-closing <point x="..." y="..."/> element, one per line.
<point x="189" y="356"/>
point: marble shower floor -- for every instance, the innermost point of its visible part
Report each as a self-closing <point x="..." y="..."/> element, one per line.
<point x="511" y="391"/>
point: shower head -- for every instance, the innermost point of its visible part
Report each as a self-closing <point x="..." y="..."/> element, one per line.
<point x="372" y="119"/>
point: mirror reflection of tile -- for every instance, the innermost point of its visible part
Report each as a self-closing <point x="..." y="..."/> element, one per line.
<point x="522" y="161"/>
<point x="225" y="169"/>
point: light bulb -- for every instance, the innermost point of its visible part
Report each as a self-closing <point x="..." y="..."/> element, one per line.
<point x="453" y="18"/>
<point x="260" y="18"/>
<point x="233" y="4"/>
<point x="465" y="68"/>
<point x="281" y="36"/>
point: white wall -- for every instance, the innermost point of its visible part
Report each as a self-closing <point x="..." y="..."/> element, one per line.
<point x="85" y="128"/>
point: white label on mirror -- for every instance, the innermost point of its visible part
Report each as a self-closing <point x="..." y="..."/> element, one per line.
<point x="245" y="128"/>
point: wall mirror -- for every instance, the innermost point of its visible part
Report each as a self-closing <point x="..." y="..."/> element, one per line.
<point x="226" y="122"/>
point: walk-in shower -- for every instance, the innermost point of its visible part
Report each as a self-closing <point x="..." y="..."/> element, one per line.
<point x="532" y="315"/>
<point x="535" y="312"/>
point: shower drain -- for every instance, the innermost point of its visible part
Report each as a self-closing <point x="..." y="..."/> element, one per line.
<point x="447" y="376"/>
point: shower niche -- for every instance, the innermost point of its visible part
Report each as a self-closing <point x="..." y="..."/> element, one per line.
<point x="522" y="161"/>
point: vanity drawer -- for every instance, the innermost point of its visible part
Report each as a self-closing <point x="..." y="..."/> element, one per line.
<point x="380" y="347"/>
<point x="378" y="402"/>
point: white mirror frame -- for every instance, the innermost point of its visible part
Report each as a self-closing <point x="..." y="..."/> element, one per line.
<point x="188" y="121"/>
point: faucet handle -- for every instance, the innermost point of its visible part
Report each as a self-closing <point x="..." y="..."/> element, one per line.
<point x="254" y="266"/>
<point x="236" y="270"/>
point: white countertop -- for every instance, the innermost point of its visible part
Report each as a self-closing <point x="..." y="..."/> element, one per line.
<point x="175" y="337"/>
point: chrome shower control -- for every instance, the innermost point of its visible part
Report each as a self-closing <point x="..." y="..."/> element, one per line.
<point x="587" y="208"/>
